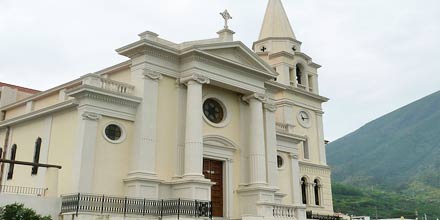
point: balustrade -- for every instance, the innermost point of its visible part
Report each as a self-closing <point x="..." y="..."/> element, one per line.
<point x="88" y="203"/>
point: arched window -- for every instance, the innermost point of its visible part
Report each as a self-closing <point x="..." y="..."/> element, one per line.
<point x="36" y="155"/>
<point x="298" y="74"/>
<point x="317" y="192"/>
<point x="304" y="190"/>
<point x="11" y="165"/>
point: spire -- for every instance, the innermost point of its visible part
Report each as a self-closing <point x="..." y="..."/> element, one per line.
<point x="276" y="23"/>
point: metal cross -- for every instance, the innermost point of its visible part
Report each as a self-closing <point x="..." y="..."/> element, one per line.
<point x="227" y="17"/>
<point x="263" y="49"/>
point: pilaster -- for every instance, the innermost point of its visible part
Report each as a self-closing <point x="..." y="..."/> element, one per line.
<point x="321" y="142"/>
<point x="257" y="151"/>
<point x="83" y="172"/>
<point x="193" y="185"/>
<point x="142" y="179"/>
<point x="271" y="144"/>
<point x="193" y="130"/>
<point x="300" y="213"/>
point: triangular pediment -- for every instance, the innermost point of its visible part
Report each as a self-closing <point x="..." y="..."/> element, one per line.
<point x="238" y="54"/>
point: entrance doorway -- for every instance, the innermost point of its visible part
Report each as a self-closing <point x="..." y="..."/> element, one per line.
<point x="213" y="170"/>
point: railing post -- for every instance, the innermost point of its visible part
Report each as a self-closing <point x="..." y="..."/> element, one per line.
<point x="195" y="208"/>
<point x="178" y="209"/>
<point x="125" y="206"/>
<point x="161" y="210"/>
<point x="77" y="204"/>
<point x="143" y="209"/>
<point x="210" y="209"/>
<point x="102" y="204"/>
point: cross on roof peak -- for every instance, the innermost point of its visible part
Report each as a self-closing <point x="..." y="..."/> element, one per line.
<point x="226" y="16"/>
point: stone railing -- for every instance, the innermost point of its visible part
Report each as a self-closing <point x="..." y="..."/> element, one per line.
<point x="21" y="190"/>
<point x="103" y="204"/>
<point x="108" y="84"/>
<point x="283" y="211"/>
<point x="301" y="86"/>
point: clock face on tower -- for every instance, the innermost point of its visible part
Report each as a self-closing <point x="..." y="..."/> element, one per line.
<point x="304" y="118"/>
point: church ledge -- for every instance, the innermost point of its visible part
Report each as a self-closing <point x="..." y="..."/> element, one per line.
<point x="266" y="74"/>
<point x="114" y="68"/>
<point x="276" y="38"/>
<point x="136" y="47"/>
<point x="83" y="90"/>
<point x="39" y="113"/>
<point x="296" y="90"/>
<point x="304" y="163"/>
<point x="42" y="94"/>
<point x="290" y="136"/>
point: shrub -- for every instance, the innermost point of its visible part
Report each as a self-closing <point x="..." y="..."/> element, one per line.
<point x="19" y="212"/>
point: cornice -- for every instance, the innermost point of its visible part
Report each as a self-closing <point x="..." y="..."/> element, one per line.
<point x="320" y="166"/>
<point x="145" y="46"/>
<point x="42" y="94"/>
<point x="281" y="54"/>
<point x="289" y="136"/>
<point x="276" y="38"/>
<point x="86" y="91"/>
<point x="289" y="102"/>
<point x="39" y="113"/>
<point x="151" y="74"/>
<point x="114" y="68"/>
<point x="198" y="78"/>
<point x="256" y="96"/>
<point x="201" y="56"/>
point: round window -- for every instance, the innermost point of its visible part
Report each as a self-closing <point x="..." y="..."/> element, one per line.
<point x="280" y="161"/>
<point x="113" y="132"/>
<point x="213" y="110"/>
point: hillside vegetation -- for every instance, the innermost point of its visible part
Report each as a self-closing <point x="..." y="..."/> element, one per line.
<point x="394" y="160"/>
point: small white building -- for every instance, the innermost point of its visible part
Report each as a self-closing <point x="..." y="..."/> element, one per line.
<point x="200" y="129"/>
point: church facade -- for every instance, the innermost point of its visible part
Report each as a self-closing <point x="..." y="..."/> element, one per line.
<point x="200" y="129"/>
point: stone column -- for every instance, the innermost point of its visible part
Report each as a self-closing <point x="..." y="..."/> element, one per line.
<point x="300" y="213"/>
<point x="144" y="153"/>
<point x="321" y="142"/>
<point x="271" y="145"/>
<point x="257" y="151"/>
<point x="85" y="155"/>
<point x="305" y="80"/>
<point x="193" y="130"/>
<point x="310" y="193"/>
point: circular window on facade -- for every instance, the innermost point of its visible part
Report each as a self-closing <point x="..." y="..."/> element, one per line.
<point x="280" y="161"/>
<point x="213" y="110"/>
<point x="114" y="133"/>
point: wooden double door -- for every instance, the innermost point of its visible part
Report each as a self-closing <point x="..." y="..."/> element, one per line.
<point x="213" y="170"/>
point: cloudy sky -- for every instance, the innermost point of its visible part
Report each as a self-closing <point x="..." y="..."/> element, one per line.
<point x="377" y="55"/>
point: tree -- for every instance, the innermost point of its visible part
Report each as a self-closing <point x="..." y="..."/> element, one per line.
<point x="19" y="212"/>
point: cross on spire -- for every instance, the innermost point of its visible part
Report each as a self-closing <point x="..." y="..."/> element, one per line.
<point x="226" y="16"/>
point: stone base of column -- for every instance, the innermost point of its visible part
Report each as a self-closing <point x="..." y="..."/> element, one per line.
<point x="193" y="189"/>
<point x="254" y="202"/>
<point x="142" y="185"/>
<point x="300" y="212"/>
<point x="279" y="197"/>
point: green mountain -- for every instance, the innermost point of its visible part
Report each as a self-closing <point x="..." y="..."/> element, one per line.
<point x="396" y="153"/>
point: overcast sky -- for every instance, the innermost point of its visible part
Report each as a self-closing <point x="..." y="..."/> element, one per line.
<point x="377" y="55"/>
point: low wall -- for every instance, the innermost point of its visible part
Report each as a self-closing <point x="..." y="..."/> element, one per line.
<point x="42" y="205"/>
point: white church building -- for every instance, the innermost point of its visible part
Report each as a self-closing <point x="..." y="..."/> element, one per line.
<point x="200" y="129"/>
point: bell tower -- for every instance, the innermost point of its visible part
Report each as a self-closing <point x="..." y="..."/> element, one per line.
<point x="278" y="46"/>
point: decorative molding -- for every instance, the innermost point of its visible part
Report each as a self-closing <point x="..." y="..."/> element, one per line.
<point x="90" y="116"/>
<point x="196" y="78"/>
<point x="151" y="74"/>
<point x="257" y="96"/>
<point x="38" y="113"/>
<point x="293" y="156"/>
<point x="270" y="107"/>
